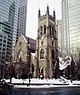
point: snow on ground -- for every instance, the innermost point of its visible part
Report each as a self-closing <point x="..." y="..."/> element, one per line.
<point x="44" y="83"/>
<point x="40" y="86"/>
<point x="45" y="86"/>
<point x="37" y="81"/>
<point x="64" y="62"/>
<point x="76" y="82"/>
<point x="34" y="86"/>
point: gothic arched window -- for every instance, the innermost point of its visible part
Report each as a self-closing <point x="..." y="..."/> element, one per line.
<point x="41" y="30"/>
<point x="42" y="54"/>
<point x="52" y="42"/>
<point x="50" y="29"/>
<point x="20" y="54"/>
<point x="44" y="29"/>
<point x="53" y="29"/>
<point x="52" y="54"/>
<point x="20" y="44"/>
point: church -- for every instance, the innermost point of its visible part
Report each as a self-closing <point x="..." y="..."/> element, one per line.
<point x="46" y="53"/>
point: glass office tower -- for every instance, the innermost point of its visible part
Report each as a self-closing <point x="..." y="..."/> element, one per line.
<point x="8" y="22"/>
<point x="64" y="41"/>
<point x="8" y="28"/>
<point x="71" y="26"/>
<point x="22" y="15"/>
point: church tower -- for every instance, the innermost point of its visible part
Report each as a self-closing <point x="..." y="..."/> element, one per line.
<point x="46" y="46"/>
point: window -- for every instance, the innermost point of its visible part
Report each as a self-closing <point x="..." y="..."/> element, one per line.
<point x="50" y="30"/>
<point x="41" y="30"/>
<point x="0" y="44"/>
<point x="0" y="40"/>
<point x="41" y="33"/>
<point x="52" y="42"/>
<point x="4" y="41"/>
<point x="5" y="37"/>
<point x="20" y="54"/>
<point x="52" y="54"/>
<point x="42" y="54"/>
<point x="44" y="29"/>
<point x="20" y="44"/>
<point x="3" y="49"/>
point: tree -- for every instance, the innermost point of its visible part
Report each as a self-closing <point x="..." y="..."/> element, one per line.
<point x="11" y="71"/>
<point x="24" y="69"/>
<point x="72" y="68"/>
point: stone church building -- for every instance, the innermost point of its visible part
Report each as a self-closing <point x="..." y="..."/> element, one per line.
<point x="46" y="46"/>
<point x="23" y="56"/>
<point x="24" y="48"/>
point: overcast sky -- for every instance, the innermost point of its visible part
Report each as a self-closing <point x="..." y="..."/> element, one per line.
<point x="32" y="14"/>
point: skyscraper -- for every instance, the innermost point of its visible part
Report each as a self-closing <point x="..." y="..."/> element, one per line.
<point x="22" y="12"/>
<point x="8" y="27"/>
<point x="71" y="26"/>
<point x="58" y="26"/>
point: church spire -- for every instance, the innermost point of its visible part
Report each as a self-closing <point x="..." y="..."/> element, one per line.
<point x="47" y="10"/>
<point x="39" y="14"/>
<point x="54" y="14"/>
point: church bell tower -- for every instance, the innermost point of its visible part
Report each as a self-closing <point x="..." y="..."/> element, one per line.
<point x="46" y="46"/>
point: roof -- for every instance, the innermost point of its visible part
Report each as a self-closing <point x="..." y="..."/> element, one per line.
<point x="31" y="42"/>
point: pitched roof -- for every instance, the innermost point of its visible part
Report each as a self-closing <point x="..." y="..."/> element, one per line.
<point x="31" y="42"/>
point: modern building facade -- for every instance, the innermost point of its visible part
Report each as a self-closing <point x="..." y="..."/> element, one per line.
<point x="71" y="27"/>
<point x="22" y="15"/>
<point x="8" y="21"/>
<point x="46" y="46"/>
<point x="59" y="30"/>
<point x="8" y="27"/>
<point x="3" y="47"/>
<point x="65" y="31"/>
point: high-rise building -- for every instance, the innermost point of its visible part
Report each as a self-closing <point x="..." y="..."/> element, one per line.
<point x="59" y="30"/>
<point x="65" y="39"/>
<point x="22" y="13"/>
<point x="8" y="27"/>
<point x="71" y="26"/>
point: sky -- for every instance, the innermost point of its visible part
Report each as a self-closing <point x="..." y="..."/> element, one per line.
<point x="32" y="14"/>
